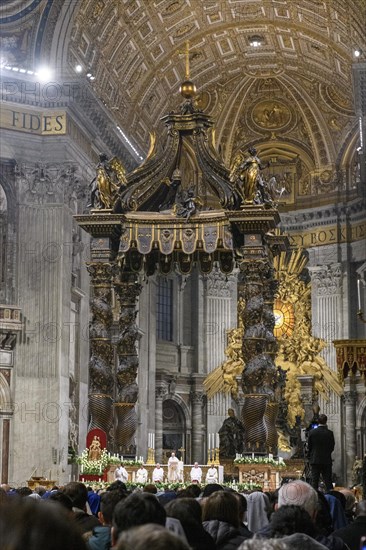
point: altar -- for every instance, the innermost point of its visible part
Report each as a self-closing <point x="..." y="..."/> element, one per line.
<point x="269" y="476"/>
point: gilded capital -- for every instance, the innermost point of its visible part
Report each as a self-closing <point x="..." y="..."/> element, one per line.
<point x="101" y="273"/>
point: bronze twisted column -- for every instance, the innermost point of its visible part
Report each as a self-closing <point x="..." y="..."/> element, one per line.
<point x="101" y="380"/>
<point x="127" y="289"/>
<point x="257" y="288"/>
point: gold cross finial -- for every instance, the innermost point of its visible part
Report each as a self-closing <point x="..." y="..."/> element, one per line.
<point x="185" y="52"/>
<point x="187" y="59"/>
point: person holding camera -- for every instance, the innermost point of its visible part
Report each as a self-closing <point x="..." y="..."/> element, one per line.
<point x="320" y="447"/>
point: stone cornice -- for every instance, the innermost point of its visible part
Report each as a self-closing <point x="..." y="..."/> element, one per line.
<point x="84" y="108"/>
<point x="322" y="216"/>
<point x="335" y="224"/>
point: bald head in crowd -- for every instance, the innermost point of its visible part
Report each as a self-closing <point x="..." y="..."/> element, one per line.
<point x="299" y="493"/>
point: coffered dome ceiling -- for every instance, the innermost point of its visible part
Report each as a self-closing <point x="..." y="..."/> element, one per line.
<point x="291" y="97"/>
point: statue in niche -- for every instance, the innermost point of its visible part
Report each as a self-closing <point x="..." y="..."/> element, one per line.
<point x="95" y="449"/>
<point x="231" y="436"/>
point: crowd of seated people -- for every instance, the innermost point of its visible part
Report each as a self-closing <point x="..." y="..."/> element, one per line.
<point x="294" y="517"/>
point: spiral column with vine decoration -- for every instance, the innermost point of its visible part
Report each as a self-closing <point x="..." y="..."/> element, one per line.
<point x="128" y="290"/>
<point x="101" y="380"/>
<point x="257" y="288"/>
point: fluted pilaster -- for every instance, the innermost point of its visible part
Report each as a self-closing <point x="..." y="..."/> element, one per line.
<point x="160" y="394"/>
<point x="350" y="399"/>
<point x="197" y="400"/>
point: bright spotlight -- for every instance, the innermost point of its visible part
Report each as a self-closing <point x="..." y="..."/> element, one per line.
<point x="44" y="73"/>
<point x="357" y="53"/>
<point x="79" y="68"/>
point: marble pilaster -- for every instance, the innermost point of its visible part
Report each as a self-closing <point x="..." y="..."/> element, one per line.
<point x="197" y="400"/>
<point x="327" y="303"/>
<point x="160" y="394"/>
<point x="220" y="317"/>
<point x="350" y="399"/>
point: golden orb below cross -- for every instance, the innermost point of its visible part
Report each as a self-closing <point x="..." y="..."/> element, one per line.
<point x="188" y="89"/>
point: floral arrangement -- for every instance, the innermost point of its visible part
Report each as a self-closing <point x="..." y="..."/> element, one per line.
<point x="93" y="467"/>
<point x="97" y="467"/>
<point x="260" y="460"/>
<point x="102" y="485"/>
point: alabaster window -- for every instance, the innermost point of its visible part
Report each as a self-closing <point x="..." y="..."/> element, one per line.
<point x="164" y="309"/>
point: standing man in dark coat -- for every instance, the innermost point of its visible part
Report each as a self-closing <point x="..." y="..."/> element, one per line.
<point x="320" y="448"/>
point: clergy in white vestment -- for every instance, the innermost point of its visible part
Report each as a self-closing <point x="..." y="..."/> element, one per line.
<point x="211" y="475"/>
<point x="121" y="474"/>
<point x="196" y="473"/>
<point x="173" y="472"/>
<point x="158" y="474"/>
<point x="141" y="475"/>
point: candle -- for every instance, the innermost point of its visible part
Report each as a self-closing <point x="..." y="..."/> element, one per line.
<point x="82" y="469"/>
<point x="252" y="455"/>
<point x="359" y="294"/>
<point x="217" y="440"/>
<point x="209" y="441"/>
<point x="153" y="441"/>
